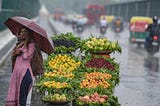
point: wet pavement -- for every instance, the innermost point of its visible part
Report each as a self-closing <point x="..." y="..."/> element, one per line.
<point x="4" y="81"/>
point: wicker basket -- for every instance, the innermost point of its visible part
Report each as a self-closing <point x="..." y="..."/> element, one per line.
<point x="102" y="53"/>
<point x="51" y="103"/>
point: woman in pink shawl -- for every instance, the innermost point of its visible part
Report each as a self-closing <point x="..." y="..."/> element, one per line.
<point x="26" y="63"/>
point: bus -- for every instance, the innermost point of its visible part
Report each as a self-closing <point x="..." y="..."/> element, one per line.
<point x="93" y="13"/>
<point x="58" y="13"/>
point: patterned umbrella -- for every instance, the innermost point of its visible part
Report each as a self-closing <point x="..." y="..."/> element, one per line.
<point x="40" y="35"/>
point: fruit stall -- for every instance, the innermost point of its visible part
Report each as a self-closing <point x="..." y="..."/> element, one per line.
<point x="71" y="80"/>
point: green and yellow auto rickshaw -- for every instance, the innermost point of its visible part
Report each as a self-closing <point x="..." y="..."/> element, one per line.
<point x="137" y="29"/>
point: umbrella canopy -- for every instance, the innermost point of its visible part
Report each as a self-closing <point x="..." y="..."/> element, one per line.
<point x="40" y="35"/>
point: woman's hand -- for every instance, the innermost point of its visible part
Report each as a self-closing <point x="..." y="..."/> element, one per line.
<point x="18" y="52"/>
<point x="20" y="45"/>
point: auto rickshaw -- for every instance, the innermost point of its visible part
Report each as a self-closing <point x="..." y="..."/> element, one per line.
<point x="138" y="25"/>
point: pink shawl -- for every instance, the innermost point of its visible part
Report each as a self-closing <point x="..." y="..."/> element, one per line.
<point x="22" y="63"/>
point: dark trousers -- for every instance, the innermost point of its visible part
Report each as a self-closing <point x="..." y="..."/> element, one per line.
<point x="24" y="88"/>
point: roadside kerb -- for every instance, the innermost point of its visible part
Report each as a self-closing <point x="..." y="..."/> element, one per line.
<point x="7" y="43"/>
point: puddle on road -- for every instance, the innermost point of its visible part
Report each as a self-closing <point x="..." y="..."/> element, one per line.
<point x="151" y="64"/>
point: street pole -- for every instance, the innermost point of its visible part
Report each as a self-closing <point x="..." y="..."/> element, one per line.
<point x="148" y="8"/>
<point x="0" y="5"/>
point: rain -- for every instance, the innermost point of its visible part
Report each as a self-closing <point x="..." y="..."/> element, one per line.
<point x="139" y="71"/>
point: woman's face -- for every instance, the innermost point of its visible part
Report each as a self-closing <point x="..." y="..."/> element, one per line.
<point x="23" y="33"/>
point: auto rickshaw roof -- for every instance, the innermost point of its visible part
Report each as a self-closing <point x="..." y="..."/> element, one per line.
<point x="109" y="18"/>
<point x="141" y="19"/>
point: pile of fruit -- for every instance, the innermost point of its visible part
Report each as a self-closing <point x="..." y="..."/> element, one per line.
<point x="66" y="43"/>
<point x="63" y="62"/>
<point x="55" y="98"/>
<point x="99" y="63"/>
<point x="94" y="79"/>
<point x="99" y="45"/>
<point x="58" y="76"/>
<point x="89" y="81"/>
<point x="94" y="98"/>
<point x="97" y="99"/>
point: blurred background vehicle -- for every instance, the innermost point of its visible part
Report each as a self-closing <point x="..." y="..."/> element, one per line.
<point x="137" y="27"/>
<point x="93" y="13"/>
<point x="58" y="13"/>
<point x="152" y="41"/>
<point x="103" y="25"/>
<point x="153" y="45"/>
<point x="117" y="24"/>
<point x="81" y="23"/>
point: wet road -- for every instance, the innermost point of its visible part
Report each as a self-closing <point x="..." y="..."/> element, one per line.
<point x="140" y="74"/>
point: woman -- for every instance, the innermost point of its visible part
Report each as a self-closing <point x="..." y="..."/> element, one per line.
<point x="26" y="63"/>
